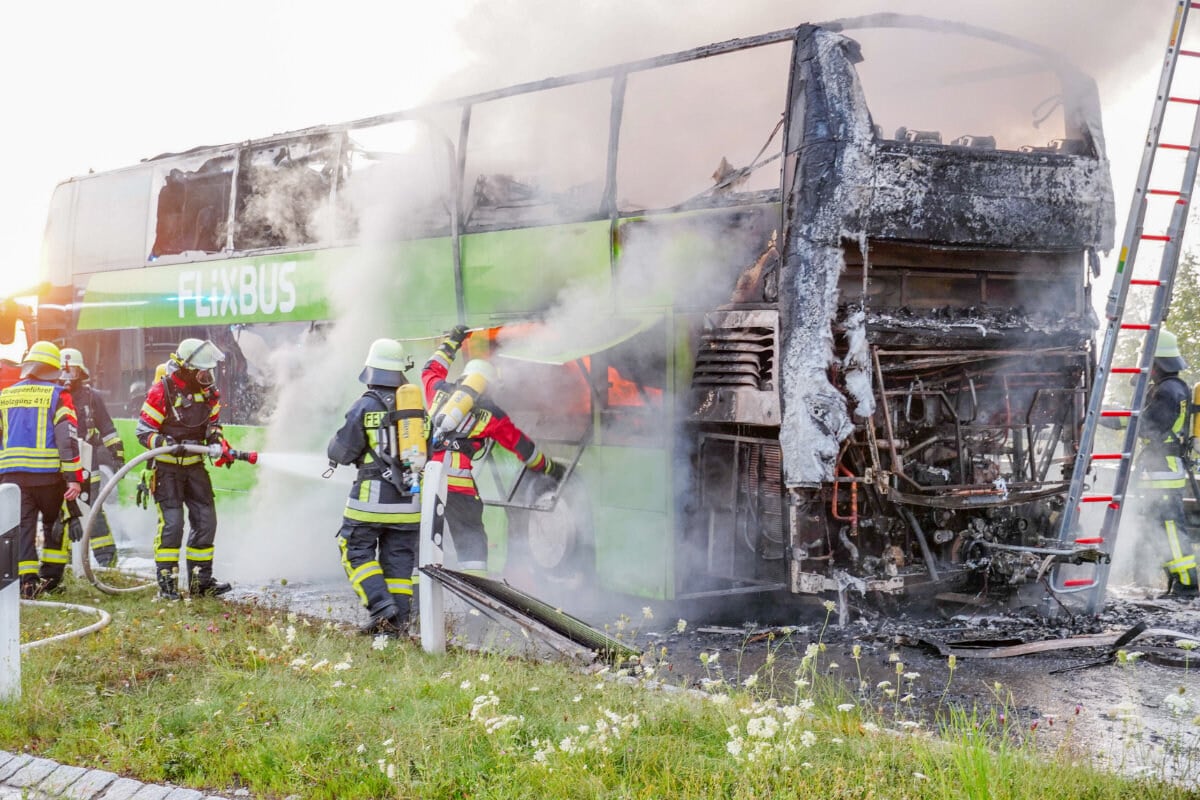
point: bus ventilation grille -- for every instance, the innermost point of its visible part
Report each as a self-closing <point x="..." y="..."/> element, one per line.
<point x="735" y="357"/>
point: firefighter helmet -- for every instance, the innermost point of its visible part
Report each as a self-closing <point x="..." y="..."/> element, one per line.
<point x="477" y="366"/>
<point x="196" y="360"/>
<point x="72" y="364"/>
<point x="1166" y="353"/>
<point x="385" y="364"/>
<point x="43" y="361"/>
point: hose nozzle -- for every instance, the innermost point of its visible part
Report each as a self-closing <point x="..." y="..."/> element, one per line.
<point x="223" y="455"/>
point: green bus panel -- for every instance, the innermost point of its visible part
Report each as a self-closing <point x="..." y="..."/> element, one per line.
<point x="281" y="287"/>
<point x="631" y="502"/>
<point x="524" y="270"/>
<point x="636" y="478"/>
<point x="634" y="551"/>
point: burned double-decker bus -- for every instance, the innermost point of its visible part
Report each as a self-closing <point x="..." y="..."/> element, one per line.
<point x="900" y="399"/>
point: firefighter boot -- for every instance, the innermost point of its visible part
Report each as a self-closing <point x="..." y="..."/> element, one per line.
<point x="31" y="587"/>
<point x="1176" y="587"/>
<point x="391" y="626"/>
<point x="49" y="583"/>
<point x="168" y="584"/>
<point x="207" y="587"/>
<point x="106" y="556"/>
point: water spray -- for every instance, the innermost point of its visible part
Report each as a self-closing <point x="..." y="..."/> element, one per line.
<point x="222" y="455"/>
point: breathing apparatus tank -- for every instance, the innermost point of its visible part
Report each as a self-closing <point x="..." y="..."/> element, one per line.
<point x="457" y="408"/>
<point x="409" y="441"/>
<point x="1195" y="416"/>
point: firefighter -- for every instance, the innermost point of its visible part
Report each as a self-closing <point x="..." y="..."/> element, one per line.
<point x="381" y="520"/>
<point x="97" y="429"/>
<point x="183" y="407"/>
<point x="1163" y="474"/>
<point x="457" y="439"/>
<point x="40" y="454"/>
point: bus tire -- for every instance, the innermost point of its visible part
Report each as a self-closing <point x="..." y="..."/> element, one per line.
<point x="555" y="547"/>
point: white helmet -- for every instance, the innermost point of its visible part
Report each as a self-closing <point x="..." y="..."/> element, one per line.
<point x="72" y="364"/>
<point x="385" y="364"/>
<point x="478" y="366"/>
<point x="197" y="358"/>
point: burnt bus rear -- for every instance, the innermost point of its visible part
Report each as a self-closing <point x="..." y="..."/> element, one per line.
<point x="891" y="403"/>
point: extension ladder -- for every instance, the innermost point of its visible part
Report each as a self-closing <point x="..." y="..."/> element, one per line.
<point x="1151" y="186"/>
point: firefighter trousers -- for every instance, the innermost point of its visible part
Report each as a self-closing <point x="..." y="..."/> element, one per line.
<point x="44" y="499"/>
<point x="176" y="488"/>
<point x="379" y="561"/>
<point x="464" y="518"/>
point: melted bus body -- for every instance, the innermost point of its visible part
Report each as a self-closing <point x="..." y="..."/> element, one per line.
<point x="782" y="350"/>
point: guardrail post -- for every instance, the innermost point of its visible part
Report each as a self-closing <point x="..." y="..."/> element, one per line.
<point x="431" y="604"/>
<point x="10" y="594"/>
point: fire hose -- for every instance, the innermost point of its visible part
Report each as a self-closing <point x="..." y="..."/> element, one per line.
<point x="221" y="453"/>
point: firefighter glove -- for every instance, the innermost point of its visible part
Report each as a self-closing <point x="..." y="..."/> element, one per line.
<point x="143" y="489"/>
<point x="118" y="455"/>
<point x="226" y="458"/>
<point x="457" y="334"/>
<point x="556" y="470"/>
<point x="75" y="529"/>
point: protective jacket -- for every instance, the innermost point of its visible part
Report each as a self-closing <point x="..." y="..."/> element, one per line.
<point x="177" y="413"/>
<point x="1161" y="425"/>
<point x="95" y="423"/>
<point x="486" y="423"/>
<point x="39" y="433"/>
<point x="378" y="497"/>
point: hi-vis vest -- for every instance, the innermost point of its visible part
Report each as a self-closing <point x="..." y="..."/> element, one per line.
<point x="29" y="410"/>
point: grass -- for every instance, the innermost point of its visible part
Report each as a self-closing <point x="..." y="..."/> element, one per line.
<point x="219" y="697"/>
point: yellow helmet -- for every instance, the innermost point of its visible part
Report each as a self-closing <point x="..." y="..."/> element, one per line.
<point x="43" y="361"/>
<point x="72" y="364"/>
<point x="385" y="364"/>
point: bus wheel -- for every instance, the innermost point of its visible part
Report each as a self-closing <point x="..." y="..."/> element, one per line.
<point x="553" y="547"/>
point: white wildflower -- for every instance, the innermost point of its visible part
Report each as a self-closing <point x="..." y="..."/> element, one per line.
<point x="681" y="626"/>
<point x="808" y="738"/>
<point x="1177" y="703"/>
<point x="647" y="612"/>
<point x="379" y="643"/>
<point x="750" y="682"/>
<point x="846" y="707"/>
<point x="762" y="727"/>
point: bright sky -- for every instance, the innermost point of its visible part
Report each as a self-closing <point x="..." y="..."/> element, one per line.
<point x="102" y="85"/>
